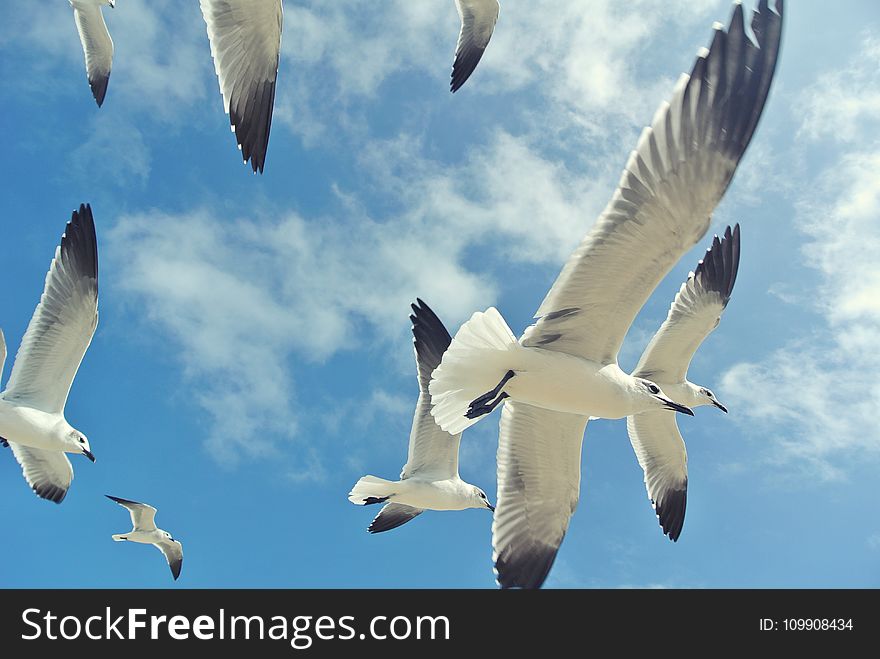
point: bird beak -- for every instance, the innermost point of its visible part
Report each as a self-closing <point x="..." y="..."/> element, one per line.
<point x="490" y="507"/>
<point x="112" y="4"/>
<point x="89" y="455"/>
<point x="719" y="406"/>
<point x="675" y="407"/>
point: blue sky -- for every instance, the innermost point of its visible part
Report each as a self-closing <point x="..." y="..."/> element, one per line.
<point x="253" y="357"/>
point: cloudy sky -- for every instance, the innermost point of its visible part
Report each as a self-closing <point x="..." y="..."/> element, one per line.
<point x="254" y="359"/>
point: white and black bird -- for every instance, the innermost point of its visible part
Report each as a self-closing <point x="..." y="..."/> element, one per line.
<point x="694" y="314"/>
<point x="32" y="421"/>
<point x="478" y="18"/>
<point x="96" y="43"/>
<point x="564" y="368"/>
<point x="145" y="531"/>
<point x="429" y="479"/>
<point x="245" y="38"/>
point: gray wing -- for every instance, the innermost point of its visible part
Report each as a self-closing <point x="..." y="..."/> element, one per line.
<point x="97" y="46"/>
<point x="661" y="453"/>
<point x="674" y="179"/>
<point x="478" y="18"/>
<point x="245" y="38"/>
<point x="539" y="473"/>
<point x="393" y="515"/>
<point x="143" y="516"/>
<point x="432" y="451"/>
<point x="173" y="552"/>
<point x="63" y="324"/>
<point x="695" y="312"/>
<point x="47" y="472"/>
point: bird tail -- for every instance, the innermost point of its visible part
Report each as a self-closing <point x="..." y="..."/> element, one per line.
<point x="475" y="362"/>
<point x="370" y="489"/>
<point x="119" y="537"/>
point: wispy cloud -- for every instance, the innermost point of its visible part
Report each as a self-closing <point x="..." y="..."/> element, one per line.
<point x="816" y="398"/>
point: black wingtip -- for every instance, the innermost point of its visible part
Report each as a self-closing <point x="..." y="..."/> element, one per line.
<point x="99" y="88"/>
<point x="526" y="567"/>
<point x="51" y="493"/>
<point x="120" y="500"/>
<point x="430" y="336"/>
<point x="671" y="511"/>
<point x="717" y="270"/>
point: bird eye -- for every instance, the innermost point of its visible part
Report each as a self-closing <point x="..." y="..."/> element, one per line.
<point x="710" y="394"/>
<point x="653" y="388"/>
<point x="82" y="441"/>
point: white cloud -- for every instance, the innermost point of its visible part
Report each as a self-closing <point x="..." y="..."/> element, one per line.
<point x="842" y="104"/>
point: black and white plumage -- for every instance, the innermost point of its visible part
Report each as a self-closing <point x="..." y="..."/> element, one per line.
<point x="429" y="480"/>
<point x="662" y="207"/>
<point x="245" y="38"/>
<point x="694" y="314"/>
<point x="32" y="406"/>
<point x="478" y="18"/>
<point x="145" y="531"/>
<point x="96" y="42"/>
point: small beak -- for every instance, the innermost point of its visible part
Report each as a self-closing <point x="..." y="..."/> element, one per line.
<point x="719" y="406"/>
<point x="675" y="407"/>
<point x="490" y="507"/>
<point x="89" y="455"/>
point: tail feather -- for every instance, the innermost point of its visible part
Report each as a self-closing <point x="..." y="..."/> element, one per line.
<point x="119" y="537"/>
<point x="370" y="489"/>
<point x="476" y="360"/>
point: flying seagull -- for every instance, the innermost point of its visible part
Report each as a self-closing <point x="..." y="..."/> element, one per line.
<point x="96" y="42"/>
<point x="478" y="18"/>
<point x="144" y="531"/>
<point x="32" y="421"/>
<point x="245" y="38"/>
<point x="564" y="368"/>
<point x="655" y="436"/>
<point x="429" y="479"/>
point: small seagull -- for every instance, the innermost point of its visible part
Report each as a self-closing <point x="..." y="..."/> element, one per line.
<point x="245" y="38"/>
<point x="564" y="370"/>
<point x="145" y="532"/>
<point x="429" y="479"/>
<point x="96" y="42"/>
<point x="656" y="439"/>
<point x="32" y="421"/>
<point x="478" y="18"/>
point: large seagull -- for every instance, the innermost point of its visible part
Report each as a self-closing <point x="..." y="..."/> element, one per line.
<point x="564" y="369"/>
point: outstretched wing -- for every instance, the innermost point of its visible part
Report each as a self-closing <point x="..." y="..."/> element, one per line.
<point x="47" y="472"/>
<point x="661" y="453"/>
<point x="63" y="324"/>
<point x="173" y="552"/>
<point x="142" y="515"/>
<point x="393" y="515"/>
<point x="539" y="473"/>
<point x="245" y="38"/>
<point x="478" y="18"/>
<point x="694" y="313"/>
<point x="674" y="179"/>
<point x="97" y="46"/>
<point x="431" y="450"/>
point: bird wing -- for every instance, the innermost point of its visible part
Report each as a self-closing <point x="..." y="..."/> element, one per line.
<point x="539" y="472"/>
<point x="478" y="18"/>
<point x="142" y="515"/>
<point x="63" y="324"/>
<point x="47" y="472"/>
<point x="432" y="452"/>
<point x="245" y="38"/>
<point x="660" y="449"/>
<point x="679" y="171"/>
<point x="97" y="46"/>
<point x="393" y="515"/>
<point x="173" y="552"/>
<point x="694" y="313"/>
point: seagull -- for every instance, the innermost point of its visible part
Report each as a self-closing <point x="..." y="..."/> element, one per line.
<point x="564" y="369"/>
<point x="96" y="42"/>
<point x="32" y="421"/>
<point x="144" y="531"/>
<point x="478" y="18"/>
<point x="694" y="314"/>
<point x="245" y="38"/>
<point x="429" y="479"/>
